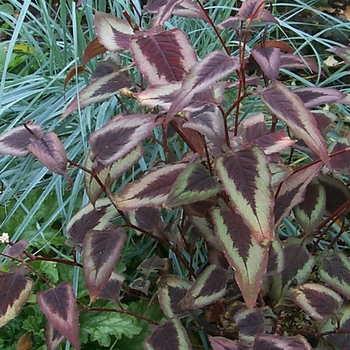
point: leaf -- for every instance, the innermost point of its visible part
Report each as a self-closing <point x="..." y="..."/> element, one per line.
<point x="318" y="301"/>
<point x="276" y="342"/>
<point x="341" y="161"/>
<point x="153" y="265"/>
<point x="110" y="172"/>
<point x="25" y="342"/>
<point x="207" y="288"/>
<point x="342" y="52"/>
<point x="15" y="290"/>
<point x="101" y="252"/>
<point x="59" y="306"/>
<point x="93" y="49"/>
<point x="250" y="323"/>
<point x="194" y="184"/>
<point x="221" y="343"/>
<point x="292" y="191"/>
<point x="119" y="137"/>
<point x="246" y="178"/>
<point x="309" y="213"/>
<point x="171" y="290"/>
<point x="163" y="57"/>
<point x="248" y="258"/>
<point x="335" y="271"/>
<point x="315" y="96"/>
<point x="16" y="251"/>
<point x="112" y="32"/>
<point x="289" y="60"/>
<point x="15" y="141"/>
<point x="53" y="337"/>
<point x="170" y="336"/>
<point x="50" y="152"/>
<point x="147" y="218"/>
<point x="251" y="9"/>
<point x="90" y="218"/>
<point x="276" y="263"/>
<point x="113" y="286"/>
<point x="214" y="67"/>
<point x="269" y="61"/>
<point x="288" y="107"/>
<point x="151" y="189"/>
<point x="105" y="83"/>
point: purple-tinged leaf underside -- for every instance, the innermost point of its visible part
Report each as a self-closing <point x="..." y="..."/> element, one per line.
<point x="277" y="342"/>
<point x="164" y="11"/>
<point x="59" y="306"/>
<point x="342" y="52"/>
<point x="315" y="96"/>
<point x="101" y="252"/>
<point x="163" y="57"/>
<point x="112" y="32"/>
<point x="150" y="190"/>
<point x="309" y="213"/>
<point x="113" y="286"/>
<point x="318" y="301"/>
<point x="194" y="184"/>
<point x="292" y="191"/>
<point x="90" y="218"/>
<point x="15" y="290"/>
<point x="248" y="258"/>
<point x="246" y="178"/>
<point x="269" y="61"/>
<point x="335" y="271"/>
<point x="53" y="337"/>
<point x="288" y="107"/>
<point x="100" y="89"/>
<point x="207" y="288"/>
<point x="221" y="343"/>
<point x="250" y="323"/>
<point x="251" y="10"/>
<point x="15" y="141"/>
<point x="112" y="172"/>
<point x="276" y="263"/>
<point x="16" y="250"/>
<point x="289" y="60"/>
<point x="170" y="336"/>
<point x="203" y="75"/>
<point x="171" y="290"/>
<point x="119" y="137"/>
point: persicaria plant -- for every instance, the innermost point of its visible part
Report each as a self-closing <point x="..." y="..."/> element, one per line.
<point x="218" y="202"/>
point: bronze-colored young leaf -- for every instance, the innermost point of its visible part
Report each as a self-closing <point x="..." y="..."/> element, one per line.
<point x="248" y="258"/>
<point x="269" y="61"/>
<point x="335" y="271"/>
<point x="170" y="336"/>
<point x="171" y="290"/>
<point x="90" y="218"/>
<point x="318" y="301"/>
<point x="150" y="190"/>
<point x="15" y="290"/>
<point x="15" y="141"/>
<point x="292" y="191"/>
<point x="288" y="107"/>
<point x="25" y="342"/>
<point x="194" y="184"/>
<point x="93" y="49"/>
<point x="112" y="172"/>
<point x="112" y="32"/>
<point x="113" y="286"/>
<point x="221" y="343"/>
<point x="207" y="288"/>
<point x="53" y="337"/>
<point x="246" y="178"/>
<point x="277" y="342"/>
<point x="119" y="137"/>
<point x="163" y="56"/>
<point x="101" y="252"/>
<point x="59" y="306"/>
<point x="250" y="323"/>
<point x="309" y="213"/>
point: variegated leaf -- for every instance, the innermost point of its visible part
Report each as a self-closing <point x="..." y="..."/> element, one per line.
<point x="59" y="306"/>
<point x="252" y="9"/>
<point x="15" y="290"/>
<point x="335" y="271"/>
<point x="119" y="137"/>
<point x="164" y="56"/>
<point x="276" y="262"/>
<point x="112" y="32"/>
<point x="250" y="323"/>
<point x="277" y="342"/>
<point x="194" y="184"/>
<point x="101" y="251"/>
<point x="112" y="288"/>
<point x="318" y="301"/>
<point x="90" y="218"/>
<point x="53" y="337"/>
<point x="207" y="288"/>
<point x="171" y="290"/>
<point x="221" y="343"/>
<point x="341" y="161"/>
<point x="246" y="178"/>
<point x="170" y="336"/>
<point x="292" y="191"/>
<point x="288" y="107"/>
<point x="112" y="172"/>
<point x="248" y="258"/>
<point x="15" y="141"/>
<point x="150" y="190"/>
<point x="315" y="96"/>
<point x="269" y="61"/>
<point x="292" y="61"/>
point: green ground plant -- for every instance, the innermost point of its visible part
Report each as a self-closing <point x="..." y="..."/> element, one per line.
<point x="194" y="190"/>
